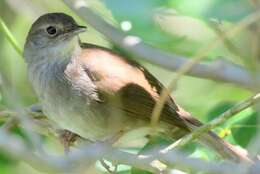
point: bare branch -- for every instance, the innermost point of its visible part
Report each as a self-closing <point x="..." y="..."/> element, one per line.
<point x="87" y="155"/>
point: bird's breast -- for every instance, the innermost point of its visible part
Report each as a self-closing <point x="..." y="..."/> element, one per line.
<point x="64" y="102"/>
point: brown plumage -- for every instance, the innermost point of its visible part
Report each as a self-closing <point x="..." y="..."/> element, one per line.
<point x="136" y="91"/>
<point x="118" y="78"/>
<point x="95" y="93"/>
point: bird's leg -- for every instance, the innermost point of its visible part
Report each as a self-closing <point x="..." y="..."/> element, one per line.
<point x="67" y="139"/>
<point x="111" y="140"/>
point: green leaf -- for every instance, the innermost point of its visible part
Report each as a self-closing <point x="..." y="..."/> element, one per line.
<point x="139" y="171"/>
<point x="219" y="109"/>
<point x="242" y="127"/>
<point x="6" y="160"/>
<point x="245" y="130"/>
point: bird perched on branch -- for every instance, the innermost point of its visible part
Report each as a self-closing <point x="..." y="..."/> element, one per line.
<point x="95" y="93"/>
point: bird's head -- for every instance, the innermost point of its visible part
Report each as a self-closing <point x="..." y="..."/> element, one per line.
<point x="53" y="34"/>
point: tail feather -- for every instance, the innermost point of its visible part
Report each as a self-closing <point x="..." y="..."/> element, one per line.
<point x="223" y="148"/>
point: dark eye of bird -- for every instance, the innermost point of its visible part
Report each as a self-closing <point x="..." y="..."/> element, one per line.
<point x="51" y="30"/>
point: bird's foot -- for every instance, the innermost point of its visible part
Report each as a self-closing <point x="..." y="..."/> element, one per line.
<point x="67" y="139"/>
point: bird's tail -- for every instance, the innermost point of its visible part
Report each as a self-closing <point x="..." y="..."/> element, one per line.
<point x="213" y="141"/>
<point x="222" y="147"/>
<point x="225" y="149"/>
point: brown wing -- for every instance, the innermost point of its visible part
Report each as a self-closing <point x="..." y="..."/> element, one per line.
<point x="137" y="90"/>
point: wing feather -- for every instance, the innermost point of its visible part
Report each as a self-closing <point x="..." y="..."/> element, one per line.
<point x="119" y="79"/>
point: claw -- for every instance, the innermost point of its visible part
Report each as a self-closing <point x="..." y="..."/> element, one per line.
<point x="67" y="139"/>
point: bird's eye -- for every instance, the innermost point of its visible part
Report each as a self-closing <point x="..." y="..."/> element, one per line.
<point x="51" y="30"/>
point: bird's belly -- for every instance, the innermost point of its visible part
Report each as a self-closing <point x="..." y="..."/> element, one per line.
<point x="69" y="109"/>
<point x="66" y="109"/>
<point x="93" y="122"/>
<point x="68" y="116"/>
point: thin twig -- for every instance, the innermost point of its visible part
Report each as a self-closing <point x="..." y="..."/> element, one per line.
<point x="41" y="124"/>
<point x="198" y="56"/>
<point x="87" y="155"/>
<point x="216" y="26"/>
<point x="4" y="29"/>
<point x="214" y="123"/>
<point x="106" y="166"/>
<point x="9" y="124"/>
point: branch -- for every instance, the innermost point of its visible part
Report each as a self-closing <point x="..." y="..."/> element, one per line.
<point x="214" y="123"/>
<point x="16" y="148"/>
<point x="87" y="155"/>
<point x="217" y="28"/>
<point x="224" y="71"/>
<point x="40" y="123"/>
<point x="4" y="29"/>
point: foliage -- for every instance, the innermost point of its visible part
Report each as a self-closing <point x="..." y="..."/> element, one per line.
<point x="177" y="26"/>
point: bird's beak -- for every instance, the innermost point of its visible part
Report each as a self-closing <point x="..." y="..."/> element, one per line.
<point x="79" y="29"/>
<point x="73" y="31"/>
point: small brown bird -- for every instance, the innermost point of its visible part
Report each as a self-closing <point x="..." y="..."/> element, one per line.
<point x="95" y="93"/>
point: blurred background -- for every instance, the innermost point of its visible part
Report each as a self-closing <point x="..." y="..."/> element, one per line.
<point x="182" y="27"/>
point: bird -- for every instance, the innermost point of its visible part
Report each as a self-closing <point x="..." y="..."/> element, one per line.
<point x="95" y="93"/>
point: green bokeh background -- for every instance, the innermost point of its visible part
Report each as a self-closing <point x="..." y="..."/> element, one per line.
<point x="178" y="26"/>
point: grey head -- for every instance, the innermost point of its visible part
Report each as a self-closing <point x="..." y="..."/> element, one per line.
<point x="51" y="33"/>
